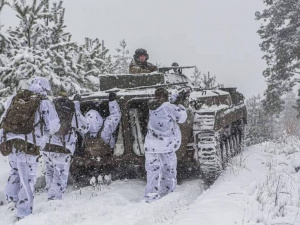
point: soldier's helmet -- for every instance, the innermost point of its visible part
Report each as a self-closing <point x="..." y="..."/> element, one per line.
<point x="139" y="52"/>
<point x="175" y="64"/>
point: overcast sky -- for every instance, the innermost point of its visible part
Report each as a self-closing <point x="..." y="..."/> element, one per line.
<point x="217" y="36"/>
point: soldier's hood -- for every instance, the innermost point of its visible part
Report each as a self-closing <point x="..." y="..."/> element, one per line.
<point x="155" y="104"/>
<point x="94" y="119"/>
<point x="40" y="85"/>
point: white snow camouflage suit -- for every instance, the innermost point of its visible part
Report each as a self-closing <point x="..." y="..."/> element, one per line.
<point x="22" y="175"/>
<point x="163" y="139"/>
<point x="95" y="121"/>
<point x="111" y="124"/>
<point x="58" y="164"/>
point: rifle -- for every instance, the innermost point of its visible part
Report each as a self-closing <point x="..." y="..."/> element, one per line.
<point x="177" y="69"/>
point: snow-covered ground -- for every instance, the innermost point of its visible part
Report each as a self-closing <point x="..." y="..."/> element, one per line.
<point x="260" y="186"/>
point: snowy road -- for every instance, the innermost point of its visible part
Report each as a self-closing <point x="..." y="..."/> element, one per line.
<point x="119" y="203"/>
<point x="260" y="186"/>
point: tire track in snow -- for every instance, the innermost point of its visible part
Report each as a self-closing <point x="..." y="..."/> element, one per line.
<point x="165" y="209"/>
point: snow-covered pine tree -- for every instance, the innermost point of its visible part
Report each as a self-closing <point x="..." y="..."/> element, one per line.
<point x="43" y="49"/>
<point x="279" y="32"/>
<point x="6" y="43"/>
<point x="122" y="59"/>
<point x="2" y="4"/>
<point x="263" y="127"/>
<point x="209" y="82"/>
<point x="205" y="81"/>
<point x="63" y="52"/>
<point x="92" y="60"/>
<point x="289" y="122"/>
<point x="297" y="105"/>
<point x="273" y="103"/>
<point x="6" y="51"/>
<point x="259" y="128"/>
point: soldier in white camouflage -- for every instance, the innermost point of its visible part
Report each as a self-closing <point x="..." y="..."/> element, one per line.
<point x="162" y="141"/>
<point x="61" y="146"/>
<point x="25" y="148"/>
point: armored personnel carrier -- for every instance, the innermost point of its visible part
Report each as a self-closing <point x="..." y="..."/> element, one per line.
<point x="212" y="134"/>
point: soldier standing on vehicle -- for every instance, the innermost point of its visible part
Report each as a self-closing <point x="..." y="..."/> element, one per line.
<point x="111" y="122"/>
<point x="28" y="119"/>
<point x="175" y="70"/>
<point x="163" y="139"/>
<point x="139" y="63"/>
<point x="61" y="146"/>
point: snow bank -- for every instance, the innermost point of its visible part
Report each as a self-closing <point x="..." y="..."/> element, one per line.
<point x="261" y="186"/>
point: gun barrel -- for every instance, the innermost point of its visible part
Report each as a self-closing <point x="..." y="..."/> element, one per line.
<point x="165" y="69"/>
<point x="157" y="86"/>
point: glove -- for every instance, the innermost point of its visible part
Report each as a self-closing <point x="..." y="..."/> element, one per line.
<point x="77" y="97"/>
<point x="187" y="94"/>
<point x="182" y="96"/>
<point x="112" y="96"/>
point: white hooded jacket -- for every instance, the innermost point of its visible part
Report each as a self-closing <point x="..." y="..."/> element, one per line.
<point x="96" y="122"/>
<point x="164" y="134"/>
<point x="46" y="110"/>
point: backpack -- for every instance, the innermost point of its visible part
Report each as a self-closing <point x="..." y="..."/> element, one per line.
<point x="20" y="116"/>
<point x="65" y="109"/>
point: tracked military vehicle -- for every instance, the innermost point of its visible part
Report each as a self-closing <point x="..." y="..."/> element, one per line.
<point x="212" y="134"/>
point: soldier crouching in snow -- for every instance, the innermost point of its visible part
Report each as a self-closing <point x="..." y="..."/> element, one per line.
<point x="57" y="152"/>
<point x="139" y="63"/>
<point x="163" y="139"/>
<point x="29" y="118"/>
